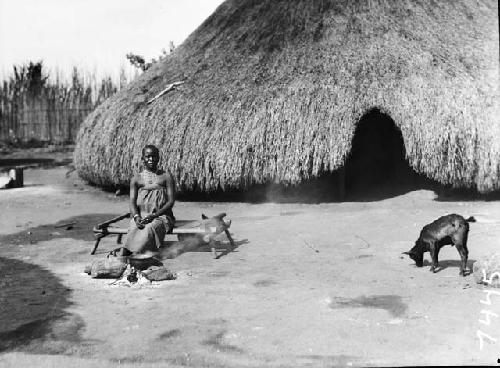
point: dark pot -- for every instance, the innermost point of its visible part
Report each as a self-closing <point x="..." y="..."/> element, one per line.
<point x="143" y="261"/>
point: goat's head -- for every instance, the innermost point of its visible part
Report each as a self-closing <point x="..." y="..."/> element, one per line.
<point x="417" y="253"/>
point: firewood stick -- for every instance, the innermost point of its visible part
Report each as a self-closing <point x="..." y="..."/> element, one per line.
<point x="113" y="220"/>
<point x="168" y="88"/>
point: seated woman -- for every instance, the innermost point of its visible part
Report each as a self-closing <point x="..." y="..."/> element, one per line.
<point x="152" y="196"/>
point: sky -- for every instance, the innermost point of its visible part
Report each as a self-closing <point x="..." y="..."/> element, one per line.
<point x="94" y="35"/>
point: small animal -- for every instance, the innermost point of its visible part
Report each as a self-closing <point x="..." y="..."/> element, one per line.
<point x="451" y="229"/>
<point x="217" y="221"/>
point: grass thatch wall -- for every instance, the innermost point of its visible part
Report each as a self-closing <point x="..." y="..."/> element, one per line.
<point x="274" y="89"/>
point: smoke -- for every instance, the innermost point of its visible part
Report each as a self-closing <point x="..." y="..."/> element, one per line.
<point x="187" y="244"/>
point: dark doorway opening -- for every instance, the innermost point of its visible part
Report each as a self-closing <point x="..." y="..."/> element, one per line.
<point x="376" y="165"/>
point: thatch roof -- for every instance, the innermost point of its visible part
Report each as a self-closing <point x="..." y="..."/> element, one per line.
<point x="274" y="90"/>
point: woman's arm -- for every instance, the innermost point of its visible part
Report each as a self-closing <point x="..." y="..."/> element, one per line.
<point x="134" y="209"/>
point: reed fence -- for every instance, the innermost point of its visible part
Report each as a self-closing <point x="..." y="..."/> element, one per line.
<point x="34" y="108"/>
<point x="53" y="116"/>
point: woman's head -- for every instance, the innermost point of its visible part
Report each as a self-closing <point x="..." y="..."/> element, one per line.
<point x="151" y="157"/>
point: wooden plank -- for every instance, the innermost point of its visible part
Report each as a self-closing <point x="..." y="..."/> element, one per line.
<point x="192" y="231"/>
<point x="187" y="223"/>
<point x="117" y="230"/>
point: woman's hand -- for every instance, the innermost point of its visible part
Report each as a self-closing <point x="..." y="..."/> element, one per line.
<point x="139" y="221"/>
<point x="148" y="219"/>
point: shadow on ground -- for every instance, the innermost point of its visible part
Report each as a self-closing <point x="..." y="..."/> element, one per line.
<point x="448" y="194"/>
<point x="33" y="315"/>
<point x="391" y="303"/>
<point x="6" y="163"/>
<point x="323" y="190"/>
<point x="454" y="263"/>
<point x="75" y="227"/>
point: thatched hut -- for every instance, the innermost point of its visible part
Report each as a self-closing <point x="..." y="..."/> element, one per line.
<point x="275" y="90"/>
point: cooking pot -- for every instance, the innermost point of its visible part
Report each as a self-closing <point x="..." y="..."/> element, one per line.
<point x="143" y="261"/>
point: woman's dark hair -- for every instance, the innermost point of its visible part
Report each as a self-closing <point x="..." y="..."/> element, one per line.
<point x="151" y="147"/>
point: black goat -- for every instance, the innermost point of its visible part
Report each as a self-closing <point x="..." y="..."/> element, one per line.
<point x="450" y="229"/>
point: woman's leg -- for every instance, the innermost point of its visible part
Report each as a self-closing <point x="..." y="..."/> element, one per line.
<point x="139" y="240"/>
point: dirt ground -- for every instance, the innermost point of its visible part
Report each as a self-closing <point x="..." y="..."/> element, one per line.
<point x="308" y="285"/>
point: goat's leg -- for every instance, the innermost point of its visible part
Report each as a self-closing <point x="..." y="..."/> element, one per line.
<point x="434" y="250"/>
<point x="460" y="241"/>
<point x="464" y="254"/>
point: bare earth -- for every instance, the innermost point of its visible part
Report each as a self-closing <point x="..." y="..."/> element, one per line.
<point x="309" y="285"/>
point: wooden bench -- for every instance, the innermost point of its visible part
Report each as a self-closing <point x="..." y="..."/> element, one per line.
<point x="206" y="229"/>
